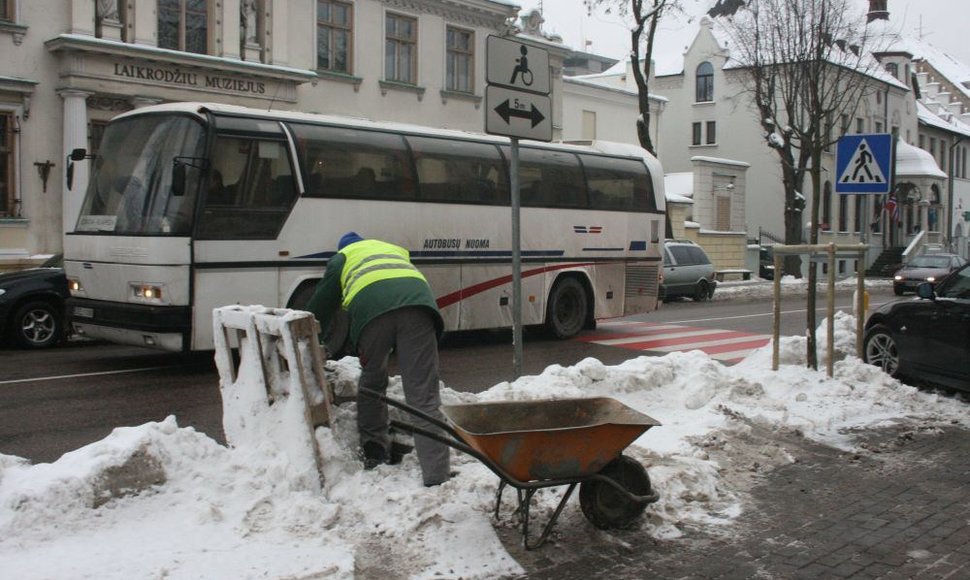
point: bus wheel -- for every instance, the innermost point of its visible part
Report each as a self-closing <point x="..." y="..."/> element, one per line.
<point x="566" y="309"/>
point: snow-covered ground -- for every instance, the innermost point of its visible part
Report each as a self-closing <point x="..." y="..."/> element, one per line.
<point x="201" y="510"/>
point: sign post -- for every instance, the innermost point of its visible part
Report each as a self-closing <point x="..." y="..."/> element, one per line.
<point x="517" y="105"/>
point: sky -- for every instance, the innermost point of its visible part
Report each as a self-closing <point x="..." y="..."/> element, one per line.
<point x="202" y="510"/>
<point x="942" y="23"/>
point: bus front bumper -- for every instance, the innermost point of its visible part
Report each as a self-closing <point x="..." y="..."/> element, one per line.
<point x="162" y="327"/>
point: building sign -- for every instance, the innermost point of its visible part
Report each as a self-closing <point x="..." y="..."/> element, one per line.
<point x="198" y="80"/>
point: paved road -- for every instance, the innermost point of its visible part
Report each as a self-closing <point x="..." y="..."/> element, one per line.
<point x="901" y="509"/>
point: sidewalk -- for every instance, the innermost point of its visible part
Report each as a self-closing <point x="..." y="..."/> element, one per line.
<point x="898" y="509"/>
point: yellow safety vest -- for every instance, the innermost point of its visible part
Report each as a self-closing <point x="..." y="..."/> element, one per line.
<point x="369" y="261"/>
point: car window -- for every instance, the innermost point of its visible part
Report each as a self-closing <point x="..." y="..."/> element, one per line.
<point x="681" y="254"/>
<point x="697" y="255"/>
<point x="957" y="285"/>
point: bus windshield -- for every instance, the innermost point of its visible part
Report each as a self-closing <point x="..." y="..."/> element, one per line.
<point x="130" y="190"/>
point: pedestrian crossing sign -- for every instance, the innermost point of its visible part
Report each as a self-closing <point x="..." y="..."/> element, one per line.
<point x="863" y="163"/>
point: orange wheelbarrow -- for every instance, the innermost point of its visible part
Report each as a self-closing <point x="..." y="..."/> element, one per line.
<point x="531" y="445"/>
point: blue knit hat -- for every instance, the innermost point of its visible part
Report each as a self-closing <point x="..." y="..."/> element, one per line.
<point x="347" y="239"/>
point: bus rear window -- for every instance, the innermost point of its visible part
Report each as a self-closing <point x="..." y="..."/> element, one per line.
<point x="618" y="184"/>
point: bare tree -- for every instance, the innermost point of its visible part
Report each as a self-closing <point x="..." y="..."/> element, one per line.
<point x="806" y="64"/>
<point x="646" y="14"/>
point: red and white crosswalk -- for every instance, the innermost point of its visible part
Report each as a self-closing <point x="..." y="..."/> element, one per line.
<point x="729" y="346"/>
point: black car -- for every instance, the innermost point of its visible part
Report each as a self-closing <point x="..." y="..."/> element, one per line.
<point x="927" y="338"/>
<point x="32" y="305"/>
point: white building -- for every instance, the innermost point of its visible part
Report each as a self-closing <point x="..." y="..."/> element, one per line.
<point x="69" y="66"/>
<point x="922" y="95"/>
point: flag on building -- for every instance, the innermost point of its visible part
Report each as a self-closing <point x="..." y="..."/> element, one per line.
<point x="892" y="208"/>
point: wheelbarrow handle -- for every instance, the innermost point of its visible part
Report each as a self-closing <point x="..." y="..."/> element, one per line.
<point x="410" y="410"/>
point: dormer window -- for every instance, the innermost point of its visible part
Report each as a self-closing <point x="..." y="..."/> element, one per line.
<point x="893" y="69"/>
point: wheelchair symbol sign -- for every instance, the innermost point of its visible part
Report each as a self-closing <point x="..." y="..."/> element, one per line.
<point x="516" y="65"/>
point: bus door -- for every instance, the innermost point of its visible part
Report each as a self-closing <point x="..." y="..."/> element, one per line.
<point x="251" y="189"/>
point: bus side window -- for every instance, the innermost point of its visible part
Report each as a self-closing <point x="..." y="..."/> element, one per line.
<point x="551" y="179"/>
<point x="345" y="162"/>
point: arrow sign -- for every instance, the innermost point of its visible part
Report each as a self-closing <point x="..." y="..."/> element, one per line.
<point x="506" y="112"/>
<point x="518" y="114"/>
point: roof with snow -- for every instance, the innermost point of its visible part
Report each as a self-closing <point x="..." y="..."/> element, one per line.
<point x="914" y="162"/>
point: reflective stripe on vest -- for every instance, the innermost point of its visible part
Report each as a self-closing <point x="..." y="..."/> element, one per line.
<point x="370" y="261"/>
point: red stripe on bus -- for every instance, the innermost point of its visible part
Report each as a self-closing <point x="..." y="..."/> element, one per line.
<point x="454" y="297"/>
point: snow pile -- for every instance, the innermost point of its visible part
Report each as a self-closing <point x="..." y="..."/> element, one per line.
<point x="168" y="502"/>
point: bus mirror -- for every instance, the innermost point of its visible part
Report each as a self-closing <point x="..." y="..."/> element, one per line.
<point x="79" y="154"/>
<point x="178" y="178"/>
<point x="70" y="174"/>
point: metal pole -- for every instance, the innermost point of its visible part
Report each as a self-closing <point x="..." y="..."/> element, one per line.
<point x="776" y="324"/>
<point x="860" y="305"/>
<point x="516" y="265"/>
<point x="830" y="309"/>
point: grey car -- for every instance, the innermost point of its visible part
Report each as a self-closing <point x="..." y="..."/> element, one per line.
<point x="687" y="271"/>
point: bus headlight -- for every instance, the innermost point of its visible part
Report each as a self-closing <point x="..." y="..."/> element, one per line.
<point x="146" y="292"/>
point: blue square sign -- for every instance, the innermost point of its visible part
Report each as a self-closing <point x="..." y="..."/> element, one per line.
<point x="864" y="163"/>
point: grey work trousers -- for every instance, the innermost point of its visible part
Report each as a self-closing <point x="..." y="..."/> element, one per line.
<point x="411" y="332"/>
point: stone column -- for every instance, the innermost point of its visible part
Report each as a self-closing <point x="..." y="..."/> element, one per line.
<point x="924" y="217"/>
<point x="75" y="136"/>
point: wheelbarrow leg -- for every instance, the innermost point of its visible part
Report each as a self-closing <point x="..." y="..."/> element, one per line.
<point x="522" y="511"/>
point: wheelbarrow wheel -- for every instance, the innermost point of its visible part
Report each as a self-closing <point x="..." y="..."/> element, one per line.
<point x="604" y="506"/>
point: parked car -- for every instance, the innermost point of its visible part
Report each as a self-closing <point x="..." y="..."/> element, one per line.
<point x="32" y="305"/>
<point x="924" y="268"/>
<point x="766" y="263"/>
<point x="927" y="338"/>
<point x="687" y="271"/>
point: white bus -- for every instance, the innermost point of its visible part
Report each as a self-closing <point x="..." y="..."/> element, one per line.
<point x="192" y="206"/>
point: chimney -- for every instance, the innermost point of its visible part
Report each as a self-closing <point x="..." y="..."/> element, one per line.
<point x="877" y="10"/>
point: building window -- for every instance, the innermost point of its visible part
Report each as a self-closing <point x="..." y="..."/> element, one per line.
<point x="589" y="125"/>
<point x="963" y="164"/>
<point x="705" y="83"/>
<point x="400" y="49"/>
<point x="857" y="224"/>
<point x="711" y="133"/>
<point x="826" y="207"/>
<point x="183" y="25"/>
<point x="860" y="125"/>
<point x="696" y="139"/>
<point x="843" y="213"/>
<point x="922" y="142"/>
<point x="7" y="197"/>
<point x="845" y="124"/>
<point x="893" y="69"/>
<point x="460" y="60"/>
<point x="334" y="35"/>
<point x="878" y="126"/>
<point x="6" y="10"/>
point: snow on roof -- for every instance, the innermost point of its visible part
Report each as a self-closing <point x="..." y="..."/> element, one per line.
<point x="928" y="117"/>
<point x="679" y="184"/>
<point x="914" y="162"/>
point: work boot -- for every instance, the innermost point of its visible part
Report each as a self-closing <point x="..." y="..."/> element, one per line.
<point x="398" y="451"/>
<point x="374" y="455"/>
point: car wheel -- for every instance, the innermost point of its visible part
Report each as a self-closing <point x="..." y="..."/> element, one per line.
<point x="702" y="291"/>
<point x="879" y="349"/>
<point x="37" y="324"/>
<point x="567" y="308"/>
<point x="897" y="291"/>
